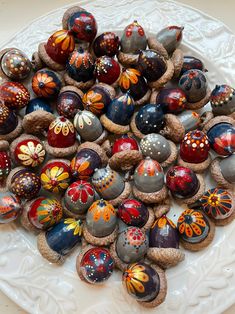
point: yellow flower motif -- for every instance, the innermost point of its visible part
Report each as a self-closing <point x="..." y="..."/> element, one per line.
<point x="75" y="225"/>
<point x="134" y="277"/>
<point x="31" y="154"/>
<point x="55" y="179"/>
<point x="62" y="124"/>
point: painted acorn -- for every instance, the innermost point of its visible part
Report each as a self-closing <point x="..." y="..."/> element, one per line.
<point x="118" y="114"/>
<point x="172" y="100"/>
<point x="94" y="265"/>
<point x="61" y="138"/>
<point x="106" y="44"/>
<point x="80" y="68"/>
<point x="164" y="243"/>
<point x="158" y="148"/>
<point x="223" y="171"/>
<point x="131" y="80"/>
<point x="110" y="185"/>
<point x="14" y="95"/>
<point x="81" y="23"/>
<point x="98" y="98"/>
<point x="56" y="176"/>
<point x="195" y="229"/>
<point x="41" y="213"/>
<point x="10" y="207"/>
<point x="69" y="102"/>
<point x="60" y="240"/>
<point x="125" y="153"/>
<point x="78" y="198"/>
<point x="107" y="70"/>
<point x="5" y="162"/>
<point x="15" y="64"/>
<point x="145" y="283"/>
<point x="46" y="83"/>
<point x="89" y="127"/>
<point x="28" y="151"/>
<point x="170" y="37"/>
<point x="190" y="62"/>
<point x="38" y="104"/>
<point x="184" y="184"/>
<point x="194" y="151"/>
<point x="23" y="183"/>
<point x="10" y="123"/>
<point x="222" y="100"/>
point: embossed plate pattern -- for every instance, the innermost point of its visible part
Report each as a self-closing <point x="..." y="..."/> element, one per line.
<point x="204" y="282"/>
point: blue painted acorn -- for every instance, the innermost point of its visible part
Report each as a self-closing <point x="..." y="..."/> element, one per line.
<point x="59" y="241"/>
<point x="8" y="119"/>
<point x="38" y="104"/>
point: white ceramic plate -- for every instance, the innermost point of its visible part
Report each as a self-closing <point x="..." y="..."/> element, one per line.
<point x="204" y="282"/>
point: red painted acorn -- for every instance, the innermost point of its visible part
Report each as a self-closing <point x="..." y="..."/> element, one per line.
<point x="60" y="45"/>
<point x="61" y="133"/>
<point x="107" y="70"/>
<point x="194" y="147"/>
<point x="5" y="161"/>
<point x="124" y="143"/>
<point x="172" y="100"/>
<point x="106" y="44"/>
<point x="133" y="213"/>
<point x="14" y="95"/>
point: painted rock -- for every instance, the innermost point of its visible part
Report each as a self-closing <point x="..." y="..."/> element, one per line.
<point x="25" y="184"/>
<point x="131" y="80"/>
<point x="132" y="245"/>
<point x="222" y="138"/>
<point x="5" y="165"/>
<point x="84" y="164"/>
<point x="10" y="207"/>
<point x="38" y="104"/>
<point x="155" y="146"/>
<point x="83" y="25"/>
<point x="227" y="166"/>
<point x="88" y="125"/>
<point x="149" y="176"/>
<point x="96" y="265"/>
<point x="217" y="203"/>
<point x="223" y="100"/>
<point x="121" y="110"/>
<point x="15" y="64"/>
<point x="195" y="147"/>
<point x="141" y="282"/>
<point x="150" y="119"/>
<point x="96" y="100"/>
<point x="106" y="44"/>
<point x="172" y="100"/>
<point x="133" y="39"/>
<point x="64" y="236"/>
<point x="107" y="70"/>
<point x="29" y="152"/>
<point x="15" y="95"/>
<point x="170" y="37"/>
<point x="182" y="182"/>
<point x="60" y="45"/>
<point x="80" y="65"/>
<point x="194" y="84"/>
<point x="68" y="104"/>
<point x="108" y="183"/>
<point x="101" y="219"/>
<point x="193" y="226"/>
<point x="151" y="64"/>
<point x="189" y="119"/>
<point x="124" y="143"/>
<point x="164" y="234"/>
<point x="133" y="213"/>
<point x="56" y="176"/>
<point x="46" y="83"/>
<point x="61" y="133"/>
<point x="44" y="212"/>
<point x="190" y="63"/>
<point x="8" y="119"/>
<point x="79" y="197"/>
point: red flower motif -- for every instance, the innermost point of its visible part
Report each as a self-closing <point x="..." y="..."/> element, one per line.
<point x="80" y="190"/>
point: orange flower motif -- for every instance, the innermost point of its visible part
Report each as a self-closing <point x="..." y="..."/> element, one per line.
<point x="43" y="84"/>
<point x="102" y="209"/>
<point x="128" y="77"/>
<point x="65" y="39"/>
<point x="162" y="222"/>
<point x="93" y="101"/>
<point x="191" y="222"/>
<point x="134" y="277"/>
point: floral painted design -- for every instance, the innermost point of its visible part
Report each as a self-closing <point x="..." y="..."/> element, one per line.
<point x="43" y="84"/>
<point x="134" y="277"/>
<point x="193" y="78"/>
<point x="49" y="212"/>
<point x="135" y="26"/>
<point x="62" y="125"/>
<point x="93" y="101"/>
<point x="128" y="77"/>
<point x="81" y="58"/>
<point x="55" y="178"/>
<point x="80" y="191"/>
<point x="84" y="118"/>
<point x="150" y="167"/>
<point x="102" y="209"/>
<point x="162" y="222"/>
<point x="65" y="40"/>
<point x="191" y="223"/>
<point x="135" y="237"/>
<point x="30" y="153"/>
<point x="75" y="225"/>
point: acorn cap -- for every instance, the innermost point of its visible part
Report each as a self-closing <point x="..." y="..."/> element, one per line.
<point x="127" y="59"/>
<point x="165" y="78"/>
<point x="154" y="44"/>
<point x="61" y="152"/>
<point x="174" y="129"/>
<point x="81" y="85"/>
<point x="103" y="241"/>
<point x="46" y="59"/>
<point x="125" y="160"/>
<point x="113" y="127"/>
<point x="96" y="148"/>
<point x="178" y="60"/>
<point x="165" y="257"/>
<point x="217" y="175"/>
<point x="118" y="263"/>
<point x="71" y="88"/>
<point x="151" y="198"/>
<point x="217" y="120"/>
<point x="37" y="121"/>
<point x="196" y="167"/>
<point x="124" y="195"/>
<point x="46" y="251"/>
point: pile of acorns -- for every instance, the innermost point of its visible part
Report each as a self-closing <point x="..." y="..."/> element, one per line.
<point x="110" y="192"/>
